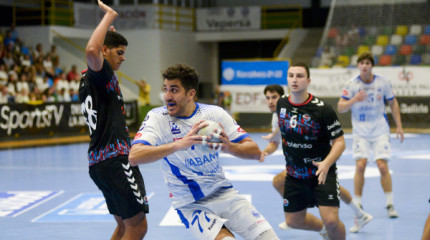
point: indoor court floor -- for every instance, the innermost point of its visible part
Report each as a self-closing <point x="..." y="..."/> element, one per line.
<point x="46" y="193"/>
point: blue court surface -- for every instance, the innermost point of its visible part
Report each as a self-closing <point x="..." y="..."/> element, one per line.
<point x="46" y="193"/>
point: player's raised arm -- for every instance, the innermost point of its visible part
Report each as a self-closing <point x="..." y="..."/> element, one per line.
<point x="93" y="51"/>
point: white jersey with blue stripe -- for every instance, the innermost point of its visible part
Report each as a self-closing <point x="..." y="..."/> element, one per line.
<point x="190" y="174"/>
<point x="368" y="117"/>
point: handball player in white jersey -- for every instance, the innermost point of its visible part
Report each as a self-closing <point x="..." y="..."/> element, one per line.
<point x="204" y="198"/>
<point x="365" y="95"/>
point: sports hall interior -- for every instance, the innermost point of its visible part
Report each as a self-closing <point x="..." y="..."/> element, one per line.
<point x="45" y="189"/>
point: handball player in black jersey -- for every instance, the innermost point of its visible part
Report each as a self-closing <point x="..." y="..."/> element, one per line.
<point x="103" y="108"/>
<point x="312" y="141"/>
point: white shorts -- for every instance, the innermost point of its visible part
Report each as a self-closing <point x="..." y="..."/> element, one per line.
<point x="206" y="217"/>
<point x="380" y="146"/>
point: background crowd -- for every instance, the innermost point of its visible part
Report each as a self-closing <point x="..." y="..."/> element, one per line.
<point x="30" y="75"/>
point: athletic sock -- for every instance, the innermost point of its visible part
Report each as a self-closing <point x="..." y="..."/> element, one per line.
<point x="389" y="198"/>
<point x="356" y="209"/>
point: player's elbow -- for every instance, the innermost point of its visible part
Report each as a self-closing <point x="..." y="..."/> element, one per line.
<point x="133" y="158"/>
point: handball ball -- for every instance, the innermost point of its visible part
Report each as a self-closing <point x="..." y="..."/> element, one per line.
<point x="208" y="131"/>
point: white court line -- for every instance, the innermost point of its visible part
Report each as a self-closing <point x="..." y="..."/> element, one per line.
<point x="74" y="198"/>
<point x="59" y="206"/>
<point x="37" y="204"/>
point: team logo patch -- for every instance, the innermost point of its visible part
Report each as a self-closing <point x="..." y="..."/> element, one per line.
<point x="240" y="130"/>
<point x="306" y="117"/>
<point x="174" y="128"/>
<point x="286" y="202"/>
<point x="138" y="135"/>
<point x="345" y="92"/>
<point x="282" y="112"/>
<point x="255" y="213"/>
<point x="145" y="199"/>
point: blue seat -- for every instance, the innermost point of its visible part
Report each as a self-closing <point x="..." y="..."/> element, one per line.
<point x="427" y="29"/>
<point x="411" y="39"/>
<point x="415" y="59"/>
<point x="391" y="50"/>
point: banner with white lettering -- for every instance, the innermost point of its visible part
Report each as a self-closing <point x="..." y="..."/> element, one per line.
<point x="24" y="120"/>
<point x="228" y="18"/>
<point x="255" y="72"/>
<point x="408" y="81"/>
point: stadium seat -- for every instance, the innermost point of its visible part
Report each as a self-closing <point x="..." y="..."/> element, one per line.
<point x="391" y="49"/>
<point x="353" y="61"/>
<point x="405" y="49"/>
<point x="396" y="39"/>
<point x="426" y="58"/>
<point x="385" y="60"/>
<point x="427" y="29"/>
<point x="415" y="29"/>
<point x="411" y="39"/>
<point x="415" y="59"/>
<point x="361" y="32"/>
<point x="362" y="48"/>
<point x="377" y="50"/>
<point x="425" y="39"/>
<point x="402" y="30"/>
<point x="376" y="60"/>
<point x="349" y="51"/>
<point x="418" y="49"/>
<point x="399" y="60"/>
<point x="342" y="60"/>
<point x="373" y="31"/>
<point x="388" y="30"/>
<point x="369" y="40"/>
<point x="382" y="40"/>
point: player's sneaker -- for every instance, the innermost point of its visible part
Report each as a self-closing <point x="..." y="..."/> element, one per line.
<point x="283" y="225"/>
<point x="392" y="213"/>
<point x="324" y="235"/>
<point x="360" y="222"/>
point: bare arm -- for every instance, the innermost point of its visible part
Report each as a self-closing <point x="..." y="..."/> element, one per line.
<point x="270" y="148"/>
<point x="94" y="46"/>
<point x="395" y="111"/>
<point x="344" y="105"/>
<point x="338" y="146"/>
<point x="246" y="148"/>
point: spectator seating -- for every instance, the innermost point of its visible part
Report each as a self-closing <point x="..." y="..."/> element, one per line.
<point x="415" y="29"/>
<point x="396" y="39"/>
<point x="382" y="40"/>
<point x="415" y="59"/>
<point x="391" y="49"/>
<point x="405" y="49"/>
<point x="411" y="39"/>
<point x="385" y="60"/>
<point x="377" y="50"/>
<point x="402" y="30"/>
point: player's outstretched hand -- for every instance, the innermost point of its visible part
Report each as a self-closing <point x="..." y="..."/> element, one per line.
<point x="268" y="136"/>
<point x="105" y="8"/>
<point x="322" y="171"/>
<point x="263" y="156"/>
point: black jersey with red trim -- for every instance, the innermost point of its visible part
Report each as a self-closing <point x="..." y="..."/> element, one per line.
<point x="307" y="130"/>
<point x="102" y="105"/>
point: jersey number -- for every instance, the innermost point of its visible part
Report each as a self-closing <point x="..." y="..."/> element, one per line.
<point x="293" y="121"/>
<point x="89" y="114"/>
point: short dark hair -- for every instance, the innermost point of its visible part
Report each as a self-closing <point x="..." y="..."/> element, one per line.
<point x="364" y="56"/>
<point x="186" y="74"/>
<point x="274" y="88"/>
<point x="304" y="65"/>
<point x="114" y="39"/>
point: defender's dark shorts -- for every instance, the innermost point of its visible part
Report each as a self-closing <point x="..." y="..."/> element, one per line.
<point x="300" y="194"/>
<point x="122" y="186"/>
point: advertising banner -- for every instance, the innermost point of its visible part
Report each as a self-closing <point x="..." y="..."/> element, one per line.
<point x="24" y="120"/>
<point x="254" y="72"/>
<point x="231" y="18"/>
<point x="406" y="81"/>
